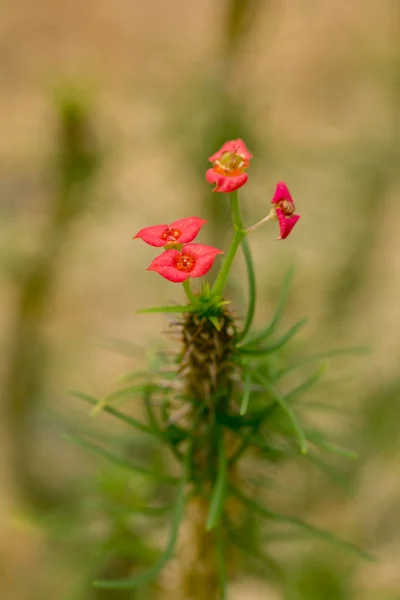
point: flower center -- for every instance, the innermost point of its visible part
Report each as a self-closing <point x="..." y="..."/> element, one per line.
<point x="171" y="235"/>
<point x="287" y="207"/>
<point x="185" y="263"/>
<point x="230" y="164"/>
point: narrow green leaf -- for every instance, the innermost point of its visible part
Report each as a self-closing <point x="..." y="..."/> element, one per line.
<point x="166" y="555"/>
<point x="219" y="490"/>
<point x="127" y="511"/>
<point x="119" y="396"/>
<point x="357" y="350"/>
<point x="215" y="322"/>
<point x="221" y="561"/>
<point x="269" y="330"/>
<point x="114" y="412"/>
<point x="318" y="439"/>
<point x="156" y="429"/>
<point x="297" y="391"/>
<point x="262" y="350"/>
<point x="251" y="278"/>
<point x="246" y="393"/>
<point x="167" y="309"/>
<point x="256" y="554"/>
<point x="118" y="460"/>
<point x="297" y="428"/>
<point x="154" y="424"/>
<point x="316" y="531"/>
<point x="253" y="438"/>
<point x="224" y="303"/>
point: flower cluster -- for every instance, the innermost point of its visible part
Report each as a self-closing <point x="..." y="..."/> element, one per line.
<point x="181" y="259"/>
<point x="228" y="174"/>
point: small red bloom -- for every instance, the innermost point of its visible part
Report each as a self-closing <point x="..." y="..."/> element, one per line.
<point x="229" y="164"/>
<point x="284" y="210"/>
<point x="194" y="260"/>
<point x="179" y="232"/>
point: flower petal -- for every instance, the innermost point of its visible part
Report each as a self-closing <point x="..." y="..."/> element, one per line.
<point x="224" y="183"/>
<point x="281" y="193"/>
<point x="204" y="257"/>
<point x="286" y="224"/>
<point x="152" y="235"/>
<point x="188" y="227"/>
<point x="165" y="265"/>
<point x="233" y="146"/>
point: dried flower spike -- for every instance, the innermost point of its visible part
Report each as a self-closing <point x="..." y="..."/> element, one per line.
<point x="229" y="164"/>
<point x="194" y="260"/>
<point x="284" y="209"/>
<point x="178" y="232"/>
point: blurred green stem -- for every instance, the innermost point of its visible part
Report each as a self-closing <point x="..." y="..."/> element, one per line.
<point x="77" y="161"/>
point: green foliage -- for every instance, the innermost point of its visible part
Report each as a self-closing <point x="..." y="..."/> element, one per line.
<point x="166" y="555"/>
<point x="326" y="536"/>
<point x="257" y="414"/>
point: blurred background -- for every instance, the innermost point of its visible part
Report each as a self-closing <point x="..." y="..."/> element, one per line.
<point x="108" y="113"/>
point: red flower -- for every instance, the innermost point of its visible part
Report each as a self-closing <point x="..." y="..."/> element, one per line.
<point x="194" y="260"/>
<point x="284" y="209"/>
<point x="228" y="167"/>
<point x="181" y="232"/>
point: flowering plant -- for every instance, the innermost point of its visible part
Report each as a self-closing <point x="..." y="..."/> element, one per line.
<point x="219" y="398"/>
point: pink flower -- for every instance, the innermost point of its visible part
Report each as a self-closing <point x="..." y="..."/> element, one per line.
<point x="181" y="232"/>
<point x="228" y="167"/>
<point x="284" y="210"/>
<point x="194" y="260"/>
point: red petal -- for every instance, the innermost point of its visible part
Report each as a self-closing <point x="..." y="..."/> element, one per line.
<point x="152" y="235"/>
<point x="165" y="265"/>
<point x="188" y="227"/>
<point x="234" y="146"/>
<point x="286" y="224"/>
<point x="224" y="183"/>
<point x="242" y="150"/>
<point x="204" y="257"/>
<point x="281" y="193"/>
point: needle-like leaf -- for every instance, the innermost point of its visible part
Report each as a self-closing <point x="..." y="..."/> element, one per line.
<point x="118" y="460"/>
<point x="286" y="337"/>
<point x="316" y="531"/>
<point x="271" y="327"/>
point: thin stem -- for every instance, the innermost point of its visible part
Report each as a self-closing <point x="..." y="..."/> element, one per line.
<point x="252" y="289"/>
<point x="271" y="215"/>
<point x="238" y="236"/>
<point x="189" y="292"/>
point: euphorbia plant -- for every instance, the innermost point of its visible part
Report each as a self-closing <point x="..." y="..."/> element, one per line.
<point x="219" y="396"/>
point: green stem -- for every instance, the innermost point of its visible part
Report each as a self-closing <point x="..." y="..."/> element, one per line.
<point x="189" y="292"/>
<point x="238" y="236"/>
<point x="252" y="289"/>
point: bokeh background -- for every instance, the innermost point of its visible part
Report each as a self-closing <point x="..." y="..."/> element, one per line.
<point x="108" y="112"/>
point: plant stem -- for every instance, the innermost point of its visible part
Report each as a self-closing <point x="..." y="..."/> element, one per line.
<point x="189" y="292"/>
<point x="271" y="215"/>
<point x="252" y="289"/>
<point x="238" y="235"/>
